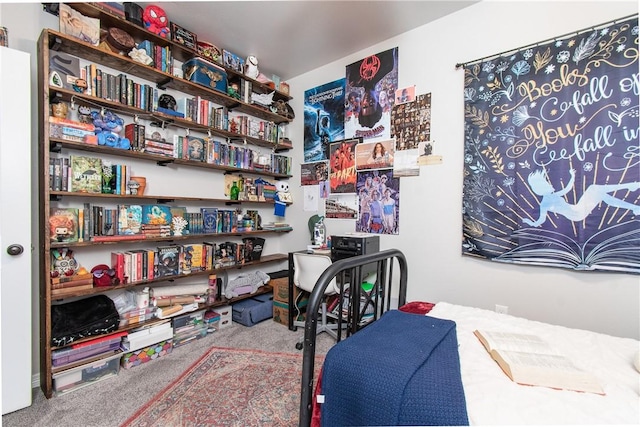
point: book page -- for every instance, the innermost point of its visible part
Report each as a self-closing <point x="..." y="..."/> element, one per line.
<point x="514" y="342"/>
<point x="546" y="370"/>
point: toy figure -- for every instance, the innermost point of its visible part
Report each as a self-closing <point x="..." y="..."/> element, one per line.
<point x="60" y="110"/>
<point x="232" y="90"/>
<point x="103" y="275"/>
<point x="108" y="127"/>
<point x="282" y="192"/>
<point x="155" y="20"/>
<point x="251" y="67"/>
<point x="64" y="263"/>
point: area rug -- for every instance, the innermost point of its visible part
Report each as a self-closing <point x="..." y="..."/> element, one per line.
<point x="230" y="387"/>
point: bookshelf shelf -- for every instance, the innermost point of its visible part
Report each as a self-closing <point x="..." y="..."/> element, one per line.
<point x="178" y="172"/>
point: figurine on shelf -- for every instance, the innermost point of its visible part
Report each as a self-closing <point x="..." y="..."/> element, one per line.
<point x="178" y="224"/>
<point x="251" y="67"/>
<point x="282" y="192"/>
<point x="133" y="187"/>
<point x="233" y="90"/>
<point x="141" y="56"/>
<point x="155" y="20"/>
<point x="64" y="263"/>
<point x="59" y="110"/>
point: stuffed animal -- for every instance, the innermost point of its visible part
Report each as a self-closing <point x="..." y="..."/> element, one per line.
<point x="155" y="20"/>
<point x="246" y="284"/>
<point x="282" y="192"/>
<point x="108" y="127"/>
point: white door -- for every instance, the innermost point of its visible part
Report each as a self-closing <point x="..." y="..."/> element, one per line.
<point x="15" y="229"/>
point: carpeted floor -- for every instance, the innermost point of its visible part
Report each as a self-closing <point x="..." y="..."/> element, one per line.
<point x="110" y="402"/>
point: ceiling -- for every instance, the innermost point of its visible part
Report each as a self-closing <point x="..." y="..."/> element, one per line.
<point x="290" y="38"/>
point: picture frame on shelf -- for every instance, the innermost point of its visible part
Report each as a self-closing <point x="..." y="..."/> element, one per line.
<point x="233" y="61"/>
<point x="183" y="36"/>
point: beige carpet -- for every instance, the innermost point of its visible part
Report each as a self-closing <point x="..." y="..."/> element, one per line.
<point x="112" y="401"/>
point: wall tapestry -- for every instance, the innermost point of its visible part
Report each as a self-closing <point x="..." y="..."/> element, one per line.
<point x="323" y="119"/>
<point x="552" y="153"/>
<point x="370" y="89"/>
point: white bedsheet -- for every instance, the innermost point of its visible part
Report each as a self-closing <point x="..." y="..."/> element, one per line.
<point x="492" y="398"/>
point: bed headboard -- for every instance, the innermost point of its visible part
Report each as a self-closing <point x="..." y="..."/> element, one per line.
<point x="353" y="270"/>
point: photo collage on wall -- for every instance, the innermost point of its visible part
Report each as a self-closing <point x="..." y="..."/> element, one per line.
<point x="352" y="159"/>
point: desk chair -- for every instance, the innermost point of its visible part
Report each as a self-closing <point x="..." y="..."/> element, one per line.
<point x="307" y="270"/>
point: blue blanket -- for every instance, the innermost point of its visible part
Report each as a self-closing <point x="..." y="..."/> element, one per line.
<point x="403" y="369"/>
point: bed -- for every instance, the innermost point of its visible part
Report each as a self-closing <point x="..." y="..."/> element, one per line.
<point x="474" y="390"/>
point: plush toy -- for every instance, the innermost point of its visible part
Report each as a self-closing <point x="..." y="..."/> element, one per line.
<point x="108" y="127"/>
<point x="155" y="20"/>
<point x="103" y="275"/>
<point x="246" y="284"/>
<point x="282" y="192"/>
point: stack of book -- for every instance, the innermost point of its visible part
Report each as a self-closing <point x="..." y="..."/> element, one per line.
<point x="61" y="286"/>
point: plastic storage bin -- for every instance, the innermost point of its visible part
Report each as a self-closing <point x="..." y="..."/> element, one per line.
<point x="87" y="374"/>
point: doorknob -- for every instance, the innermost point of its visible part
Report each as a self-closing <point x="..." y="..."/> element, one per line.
<point x="15" y="249"/>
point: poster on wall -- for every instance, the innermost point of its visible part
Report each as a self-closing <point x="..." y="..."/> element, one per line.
<point x="341" y="206"/>
<point x="551" y="153"/>
<point x="378" y="202"/>
<point x="370" y="90"/>
<point x="342" y="166"/>
<point x="323" y="119"/>
<point x="313" y="173"/>
<point x="411" y="122"/>
<point x="375" y="155"/>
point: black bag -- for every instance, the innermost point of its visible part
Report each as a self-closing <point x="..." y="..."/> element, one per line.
<point x="71" y="321"/>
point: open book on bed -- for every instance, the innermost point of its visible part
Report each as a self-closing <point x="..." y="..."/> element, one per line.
<point x="529" y="360"/>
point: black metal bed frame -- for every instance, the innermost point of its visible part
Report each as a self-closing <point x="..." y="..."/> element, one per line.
<point x="349" y="270"/>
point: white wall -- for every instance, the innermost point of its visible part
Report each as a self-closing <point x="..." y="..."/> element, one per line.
<point x="430" y="215"/>
<point x="430" y="205"/>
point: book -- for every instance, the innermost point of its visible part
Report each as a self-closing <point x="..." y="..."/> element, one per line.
<point x="529" y="360"/>
<point x="209" y="220"/>
<point x="63" y="225"/>
<point x="168" y="260"/>
<point x="86" y="174"/>
<point x="129" y="219"/>
<point x="156" y="215"/>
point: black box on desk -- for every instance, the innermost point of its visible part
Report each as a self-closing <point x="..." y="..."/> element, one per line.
<point x="253" y="310"/>
<point x="351" y="245"/>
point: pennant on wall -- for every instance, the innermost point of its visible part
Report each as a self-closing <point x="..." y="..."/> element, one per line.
<point x="552" y="153"/>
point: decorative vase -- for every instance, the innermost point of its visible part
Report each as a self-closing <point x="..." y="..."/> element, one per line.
<point x="143" y="183"/>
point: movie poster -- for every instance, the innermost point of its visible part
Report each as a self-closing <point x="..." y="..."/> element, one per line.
<point x="323" y="119"/>
<point x="371" y="85"/>
<point x="342" y="166"/>
<point x="379" y="202"/>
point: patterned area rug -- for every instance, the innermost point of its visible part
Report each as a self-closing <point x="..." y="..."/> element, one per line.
<point x="230" y="387"/>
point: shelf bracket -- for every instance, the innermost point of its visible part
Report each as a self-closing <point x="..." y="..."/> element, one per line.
<point x="232" y="202"/>
<point x="233" y="105"/>
<point x="164" y="162"/>
<point x="159" y="201"/>
<point x="55" y="43"/>
<point x="56" y="147"/>
<point x="163" y="83"/>
<point x="55" y="197"/>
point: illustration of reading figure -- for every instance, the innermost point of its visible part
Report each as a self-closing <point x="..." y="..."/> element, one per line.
<point x="553" y="201"/>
